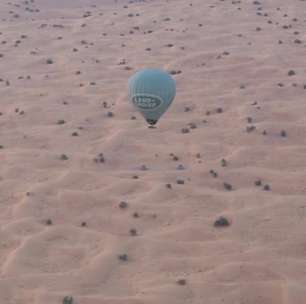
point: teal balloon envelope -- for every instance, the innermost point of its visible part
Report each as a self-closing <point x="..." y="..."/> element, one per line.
<point x="151" y="91"/>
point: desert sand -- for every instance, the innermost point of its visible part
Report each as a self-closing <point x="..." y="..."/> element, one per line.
<point x="208" y="208"/>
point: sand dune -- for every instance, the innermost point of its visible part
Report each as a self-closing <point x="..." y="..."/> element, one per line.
<point x="97" y="207"/>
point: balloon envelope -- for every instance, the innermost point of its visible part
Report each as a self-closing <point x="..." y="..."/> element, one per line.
<point x="151" y="91"/>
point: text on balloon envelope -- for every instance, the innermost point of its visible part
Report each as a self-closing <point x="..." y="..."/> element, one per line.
<point x="146" y="102"/>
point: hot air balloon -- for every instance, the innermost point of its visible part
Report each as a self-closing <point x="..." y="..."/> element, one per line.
<point x="152" y="92"/>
